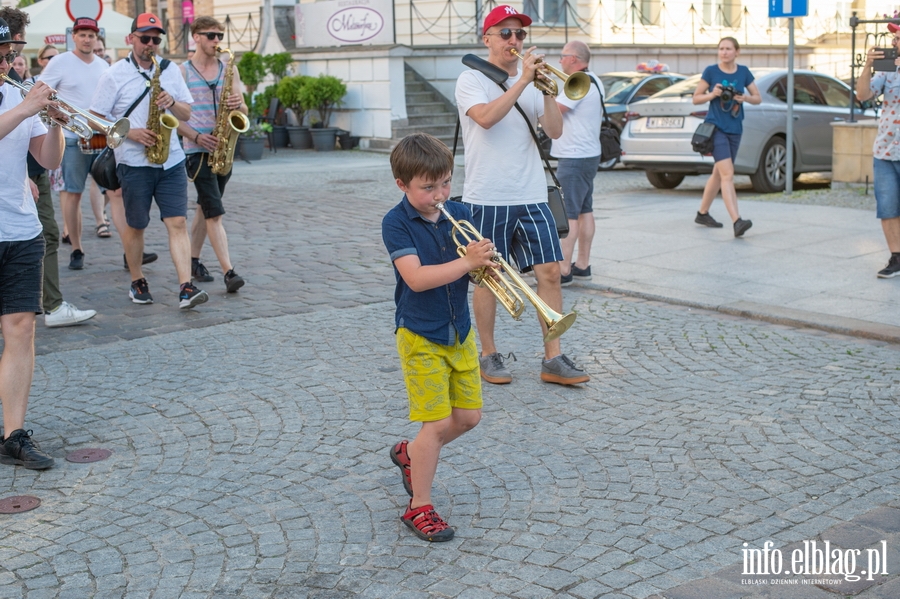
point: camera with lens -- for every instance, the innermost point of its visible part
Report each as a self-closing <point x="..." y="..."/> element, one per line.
<point x="728" y="93"/>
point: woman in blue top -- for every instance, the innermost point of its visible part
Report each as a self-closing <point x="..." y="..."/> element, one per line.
<point x="726" y="86"/>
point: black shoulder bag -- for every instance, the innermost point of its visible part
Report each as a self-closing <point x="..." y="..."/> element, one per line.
<point x="103" y="170"/>
<point x="610" y="142"/>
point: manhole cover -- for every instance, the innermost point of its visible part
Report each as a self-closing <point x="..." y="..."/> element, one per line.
<point x="83" y="456"/>
<point x="19" y="503"/>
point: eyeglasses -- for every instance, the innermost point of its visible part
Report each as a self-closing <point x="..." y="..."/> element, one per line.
<point x="46" y="57"/>
<point x="566" y="55"/>
<point x="11" y="56"/>
<point x="213" y="35"/>
<point x="507" y="33"/>
<point x="146" y="39"/>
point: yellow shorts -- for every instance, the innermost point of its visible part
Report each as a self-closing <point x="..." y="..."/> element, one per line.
<point x="439" y="377"/>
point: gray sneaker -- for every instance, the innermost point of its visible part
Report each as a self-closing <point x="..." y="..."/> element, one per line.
<point x="493" y="370"/>
<point x="563" y="371"/>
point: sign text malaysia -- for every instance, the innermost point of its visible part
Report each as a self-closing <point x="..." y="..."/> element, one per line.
<point x="344" y="22"/>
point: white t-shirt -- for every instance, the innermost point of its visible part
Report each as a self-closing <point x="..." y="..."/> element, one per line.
<point x="503" y="165"/>
<point x="119" y="87"/>
<point x="18" y="211"/>
<point x="581" y="125"/>
<point x="73" y="79"/>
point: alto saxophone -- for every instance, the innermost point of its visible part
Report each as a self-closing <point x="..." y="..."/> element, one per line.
<point x="229" y="124"/>
<point x="161" y="124"/>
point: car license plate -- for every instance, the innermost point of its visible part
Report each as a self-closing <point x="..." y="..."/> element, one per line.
<point x="665" y="122"/>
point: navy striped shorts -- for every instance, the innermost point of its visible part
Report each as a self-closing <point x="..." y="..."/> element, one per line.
<point x="526" y="233"/>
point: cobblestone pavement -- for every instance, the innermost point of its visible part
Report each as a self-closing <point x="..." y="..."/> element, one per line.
<point x="250" y="437"/>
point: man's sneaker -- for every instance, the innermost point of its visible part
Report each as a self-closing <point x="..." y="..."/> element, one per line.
<point x="400" y="457"/>
<point x="66" y="315"/>
<point x="233" y="281"/>
<point x="199" y="272"/>
<point x="493" y="370"/>
<point x="18" y="449"/>
<point x="426" y="523"/>
<point x="147" y="259"/>
<point x="76" y="260"/>
<point x="190" y="296"/>
<point x="707" y="220"/>
<point x="140" y="292"/>
<point x="892" y="269"/>
<point x="565" y="280"/>
<point x="582" y="273"/>
<point x="741" y="226"/>
<point x="563" y="371"/>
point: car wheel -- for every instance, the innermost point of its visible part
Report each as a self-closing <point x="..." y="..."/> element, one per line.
<point x="608" y="165"/>
<point x="769" y="177"/>
<point x="664" y="180"/>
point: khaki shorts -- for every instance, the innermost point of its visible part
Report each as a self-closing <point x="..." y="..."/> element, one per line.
<point x="439" y="377"/>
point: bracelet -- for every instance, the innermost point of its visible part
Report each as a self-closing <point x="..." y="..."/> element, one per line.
<point x="172" y="104"/>
<point x="196" y="137"/>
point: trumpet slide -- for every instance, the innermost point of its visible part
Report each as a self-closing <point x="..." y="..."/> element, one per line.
<point x="507" y="284"/>
<point x="80" y="122"/>
<point x="575" y="86"/>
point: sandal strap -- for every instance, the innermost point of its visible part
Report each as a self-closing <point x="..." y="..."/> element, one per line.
<point x="426" y="520"/>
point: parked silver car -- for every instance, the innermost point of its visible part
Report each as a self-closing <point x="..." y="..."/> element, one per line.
<point x="657" y="136"/>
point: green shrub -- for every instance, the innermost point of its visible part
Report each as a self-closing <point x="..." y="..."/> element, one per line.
<point x="278" y="64"/>
<point x="252" y="68"/>
<point x="289" y="93"/>
<point x="324" y="93"/>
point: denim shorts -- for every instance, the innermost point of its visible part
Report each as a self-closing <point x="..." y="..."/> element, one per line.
<point x="887" y="188"/>
<point x="141" y="184"/>
<point x="209" y="185"/>
<point x="21" y="275"/>
<point x="576" y="176"/>
<point x="725" y="145"/>
<point x="75" y="167"/>
<point x="526" y="232"/>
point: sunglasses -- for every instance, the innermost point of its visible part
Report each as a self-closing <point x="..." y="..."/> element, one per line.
<point x="213" y="35"/>
<point x="507" y="33"/>
<point x="146" y="39"/>
<point x="9" y="57"/>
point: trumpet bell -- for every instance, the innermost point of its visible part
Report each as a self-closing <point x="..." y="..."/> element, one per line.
<point x="116" y="132"/>
<point x="577" y="85"/>
<point x="556" y="328"/>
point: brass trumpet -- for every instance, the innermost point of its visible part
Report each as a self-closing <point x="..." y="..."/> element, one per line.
<point x="575" y="86"/>
<point x="504" y="286"/>
<point x="80" y="122"/>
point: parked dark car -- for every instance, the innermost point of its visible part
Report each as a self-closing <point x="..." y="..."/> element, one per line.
<point x="658" y="135"/>
<point x="622" y="89"/>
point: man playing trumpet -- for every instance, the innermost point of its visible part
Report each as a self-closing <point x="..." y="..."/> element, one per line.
<point x="512" y="211"/>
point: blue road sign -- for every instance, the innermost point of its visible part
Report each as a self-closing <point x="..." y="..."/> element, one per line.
<point x="788" y="8"/>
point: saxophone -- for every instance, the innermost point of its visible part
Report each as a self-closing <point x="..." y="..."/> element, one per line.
<point x="161" y="124"/>
<point x="229" y="124"/>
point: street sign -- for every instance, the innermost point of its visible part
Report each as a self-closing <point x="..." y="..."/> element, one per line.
<point x="86" y="8"/>
<point x="788" y="8"/>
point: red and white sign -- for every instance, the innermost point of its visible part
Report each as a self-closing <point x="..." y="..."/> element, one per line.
<point x="55" y="39"/>
<point x="84" y="8"/>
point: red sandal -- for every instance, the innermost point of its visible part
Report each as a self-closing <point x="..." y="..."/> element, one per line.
<point x="427" y="525"/>
<point x="401" y="459"/>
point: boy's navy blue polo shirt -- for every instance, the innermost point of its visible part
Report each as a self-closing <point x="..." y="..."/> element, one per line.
<point x="438" y="314"/>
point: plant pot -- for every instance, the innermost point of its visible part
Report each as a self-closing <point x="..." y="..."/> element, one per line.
<point x="252" y="149"/>
<point x="280" y="135"/>
<point x="300" y="137"/>
<point x="323" y="139"/>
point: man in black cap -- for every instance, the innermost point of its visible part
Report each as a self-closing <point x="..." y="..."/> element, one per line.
<point x="21" y="251"/>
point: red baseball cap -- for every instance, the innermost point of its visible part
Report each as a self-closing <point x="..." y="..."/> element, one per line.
<point x="85" y="23"/>
<point x="893" y="28"/>
<point x="145" y="22"/>
<point x="504" y="12"/>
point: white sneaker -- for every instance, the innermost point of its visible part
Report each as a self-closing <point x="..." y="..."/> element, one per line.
<point x="67" y="315"/>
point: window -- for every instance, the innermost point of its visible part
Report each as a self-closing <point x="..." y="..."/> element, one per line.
<point x="722" y="13"/>
<point x="836" y="95"/>
<point x="549" y="12"/>
<point x="806" y="92"/>
<point x="650" y="10"/>
<point x="651" y="87"/>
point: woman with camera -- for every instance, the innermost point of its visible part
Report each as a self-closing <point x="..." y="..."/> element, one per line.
<point x="726" y="86"/>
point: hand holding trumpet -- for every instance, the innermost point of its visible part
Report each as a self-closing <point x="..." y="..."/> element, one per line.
<point x="38" y="98"/>
<point x="480" y="253"/>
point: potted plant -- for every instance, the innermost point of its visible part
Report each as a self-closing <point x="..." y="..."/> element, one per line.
<point x="252" y="68"/>
<point x="324" y="93"/>
<point x="252" y="141"/>
<point x="289" y="93"/>
<point x="273" y="114"/>
<point x="278" y="64"/>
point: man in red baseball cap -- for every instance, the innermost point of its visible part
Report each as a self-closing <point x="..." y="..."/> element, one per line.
<point x="512" y="209"/>
<point x="886" y="150"/>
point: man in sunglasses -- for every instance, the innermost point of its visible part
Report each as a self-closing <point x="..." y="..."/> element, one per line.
<point x="505" y="185"/>
<point x="205" y="77"/>
<point x="75" y="75"/>
<point x="21" y="251"/>
<point x="125" y="86"/>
